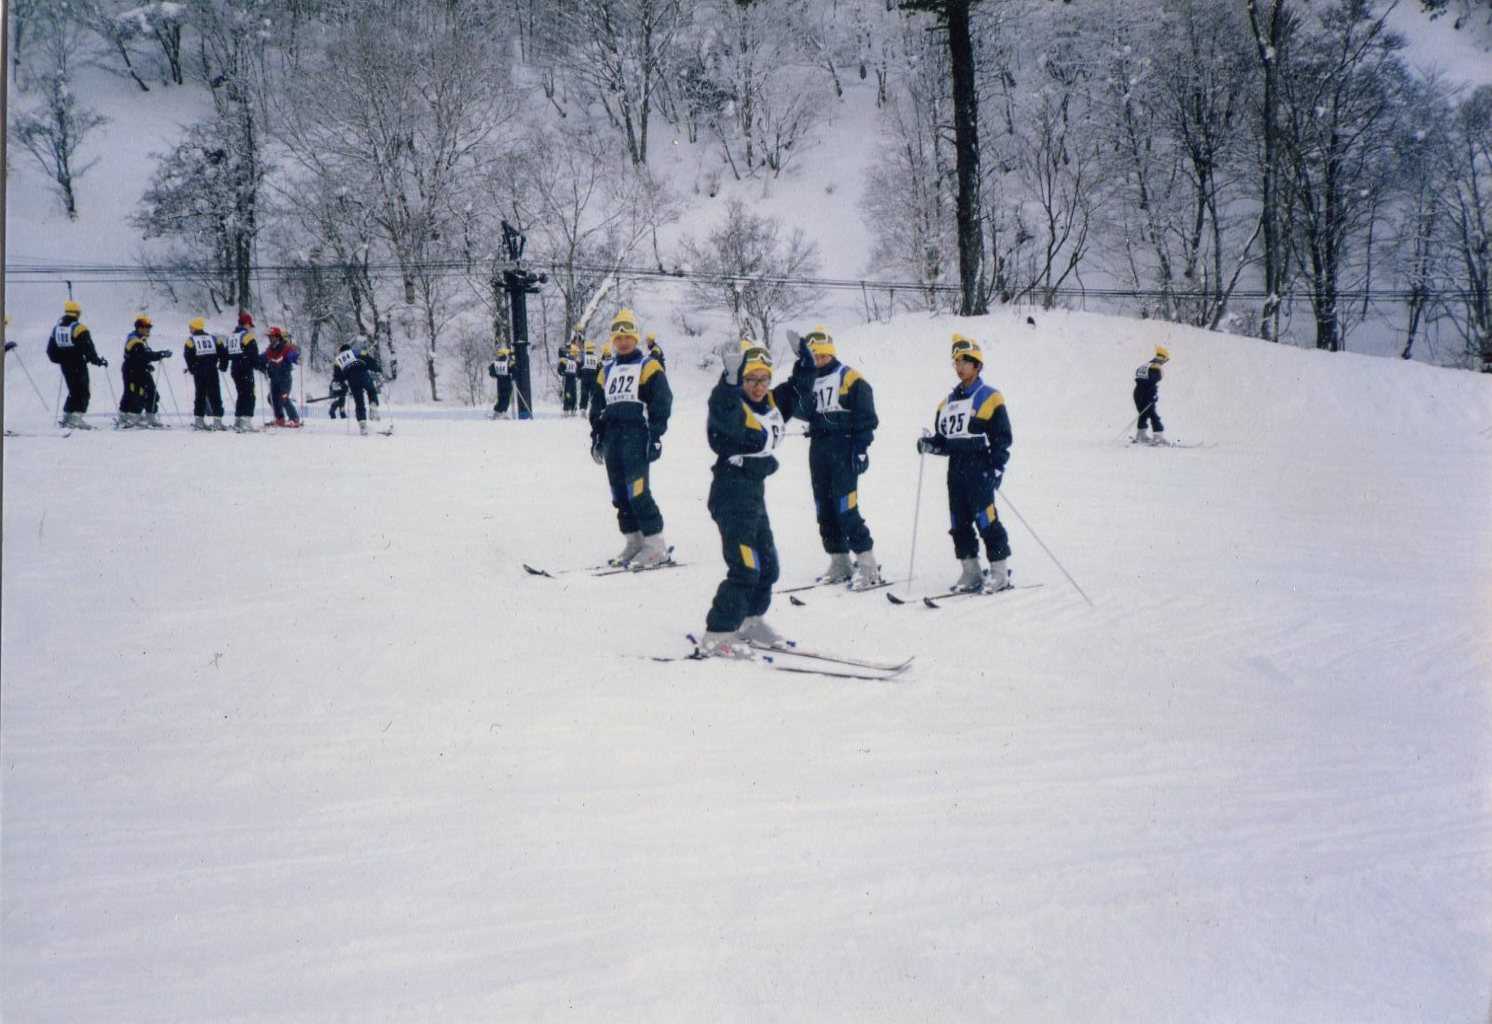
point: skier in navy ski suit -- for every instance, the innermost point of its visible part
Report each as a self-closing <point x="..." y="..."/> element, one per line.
<point x="71" y="348"/>
<point x="973" y="431"/>
<point x="841" y="413"/>
<point x="747" y="422"/>
<point x="205" y="358"/>
<point x="139" y="407"/>
<point x="629" y="416"/>
<point x="352" y="369"/>
<point x="1147" y="398"/>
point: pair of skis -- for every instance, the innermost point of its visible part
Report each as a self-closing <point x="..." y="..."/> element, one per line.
<point x="789" y="657"/>
<point x="793" y="592"/>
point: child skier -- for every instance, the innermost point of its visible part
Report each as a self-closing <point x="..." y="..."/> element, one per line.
<point x="141" y="402"/>
<point x="973" y="431"/>
<point x="71" y="348"/>
<point x="629" y="416"/>
<point x="280" y="358"/>
<point x="747" y="420"/>
<point x="1147" y="395"/>
<point x="205" y="359"/>
<point x="841" y="413"/>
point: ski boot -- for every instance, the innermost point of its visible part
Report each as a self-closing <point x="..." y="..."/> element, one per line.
<point x="840" y="570"/>
<point x="755" y="630"/>
<point x="362" y="427"/>
<point x="1159" y="440"/>
<point x="654" y="553"/>
<point x="1142" y="436"/>
<point x="630" y="550"/>
<point x="867" y="572"/>
<point x="724" y="645"/>
<point x="972" y="578"/>
<point x="997" y="578"/>
<point x="200" y="423"/>
<point x="153" y="421"/>
<point x="218" y="424"/>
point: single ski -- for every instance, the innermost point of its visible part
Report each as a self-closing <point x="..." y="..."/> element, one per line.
<point x="931" y="600"/>
<point x="813" y="586"/>
<point x="794" y="650"/>
<point x="613" y="570"/>
<point x="794" y="599"/>
<point x="1174" y="444"/>
<point x="561" y="572"/>
<point x="768" y="662"/>
<point x="22" y="433"/>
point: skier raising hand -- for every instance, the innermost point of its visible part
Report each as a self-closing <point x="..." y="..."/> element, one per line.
<point x="629" y="415"/>
<point x="842" y="420"/>
<point x="973" y="431"/>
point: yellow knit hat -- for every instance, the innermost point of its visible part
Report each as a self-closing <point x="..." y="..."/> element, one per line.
<point x="758" y="358"/>
<point x="820" y="343"/>
<point x="967" y="348"/>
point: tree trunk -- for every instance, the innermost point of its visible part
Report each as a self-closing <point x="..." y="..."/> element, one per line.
<point x="966" y="149"/>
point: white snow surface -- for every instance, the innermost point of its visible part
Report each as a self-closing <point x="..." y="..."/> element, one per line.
<point x="290" y="735"/>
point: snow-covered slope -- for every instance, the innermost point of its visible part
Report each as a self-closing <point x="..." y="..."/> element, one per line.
<point x="291" y="736"/>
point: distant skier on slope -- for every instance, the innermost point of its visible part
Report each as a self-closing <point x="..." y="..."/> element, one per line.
<point x="140" y="404"/>
<point x="629" y="416"/>
<point x="280" y="358"/>
<point x="205" y="358"/>
<point x="501" y="370"/>
<point x="656" y="350"/>
<point x="973" y="430"/>
<point x="1147" y="395"/>
<point x="841" y="413"/>
<point x="353" y="368"/>
<point x="71" y="348"/>
<point x="243" y="360"/>
<point x="589" y="364"/>
<point x="747" y="421"/>
<point x="569" y="372"/>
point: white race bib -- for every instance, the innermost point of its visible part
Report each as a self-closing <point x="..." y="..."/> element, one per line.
<point x="955" y="418"/>
<point x="623" y="381"/>
<point x="345" y="359"/>
<point x="62" y="335"/>
<point x="826" y="393"/>
<point x="235" y="344"/>
<point x="205" y="344"/>
<point x="772" y="423"/>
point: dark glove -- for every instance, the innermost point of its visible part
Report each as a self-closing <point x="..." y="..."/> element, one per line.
<point x="996" y="474"/>
<point x="102" y="362"/>
<point x="800" y="346"/>
<point x="167" y="354"/>
<point x="928" y="446"/>
<point x="598" y="452"/>
<point x="862" y="460"/>
<point x="9" y="345"/>
<point x="655" y="451"/>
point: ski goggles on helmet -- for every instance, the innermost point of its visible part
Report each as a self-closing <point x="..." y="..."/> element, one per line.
<point x="623" y="327"/>
<point x="964" y="348"/>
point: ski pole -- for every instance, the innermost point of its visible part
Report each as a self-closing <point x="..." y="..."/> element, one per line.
<point x="39" y="395"/>
<point x="916" y="515"/>
<point x="172" y="391"/>
<point x="1133" y="424"/>
<point x="59" y="393"/>
<point x="1048" y="550"/>
<point x="112" y="396"/>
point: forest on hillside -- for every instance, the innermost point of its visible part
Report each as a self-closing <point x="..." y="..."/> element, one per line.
<point x="1274" y="168"/>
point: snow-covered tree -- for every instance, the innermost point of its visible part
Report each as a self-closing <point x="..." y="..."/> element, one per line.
<point x="54" y="130"/>
<point x="747" y="268"/>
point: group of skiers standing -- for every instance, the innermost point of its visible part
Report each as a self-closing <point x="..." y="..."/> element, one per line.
<point x="629" y="412"/>
<point x="207" y="355"/>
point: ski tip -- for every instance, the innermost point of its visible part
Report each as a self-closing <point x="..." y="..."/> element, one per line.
<point x="929" y="602"/>
<point x="794" y="599"/>
<point x="535" y="572"/>
<point x="893" y="598"/>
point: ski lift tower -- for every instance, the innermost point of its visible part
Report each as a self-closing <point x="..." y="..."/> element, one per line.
<point x="520" y="283"/>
